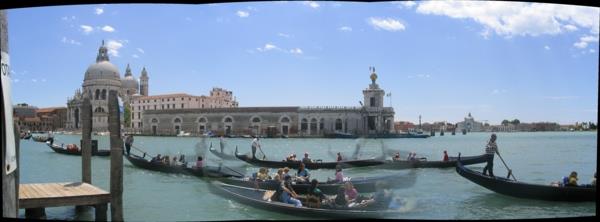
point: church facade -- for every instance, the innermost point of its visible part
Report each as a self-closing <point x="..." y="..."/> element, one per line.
<point x="370" y="118"/>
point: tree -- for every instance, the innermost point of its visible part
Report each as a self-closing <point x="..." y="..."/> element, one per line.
<point x="127" y="116"/>
<point x="505" y="122"/>
<point x="515" y="122"/>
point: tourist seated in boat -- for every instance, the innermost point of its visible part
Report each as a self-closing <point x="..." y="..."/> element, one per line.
<point x="279" y="175"/>
<point x="314" y="196"/>
<point x="288" y="195"/>
<point x="352" y="194"/>
<point x="396" y="156"/>
<point x="339" y="157"/>
<point x="306" y="159"/>
<point x="72" y="148"/>
<point x="174" y="162"/>
<point x="199" y="162"/>
<point x="445" y="158"/>
<point x="156" y="159"/>
<point x="166" y="160"/>
<point x="286" y="171"/>
<point x="339" y="175"/>
<point x="572" y="182"/>
<point x="263" y="174"/>
<point x="302" y="176"/>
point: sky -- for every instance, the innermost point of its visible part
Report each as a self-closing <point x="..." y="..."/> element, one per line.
<point x="438" y="59"/>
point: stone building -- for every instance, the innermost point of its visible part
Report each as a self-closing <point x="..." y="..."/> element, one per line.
<point x="45" y="119"/>
<point x="101" y="78"/>
<point x="470" y="125"/>
<point x="370" y="118"/>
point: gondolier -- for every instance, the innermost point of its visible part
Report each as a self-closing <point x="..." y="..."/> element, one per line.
<point x="490" y="149"/>
<point x="128" y="143"/>
<point x="255" y="144"/>
<point x="50" y="137"/>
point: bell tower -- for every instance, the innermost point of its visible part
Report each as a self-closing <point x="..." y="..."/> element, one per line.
<point x="373" y="96"/>
<point x="144" y="82"/>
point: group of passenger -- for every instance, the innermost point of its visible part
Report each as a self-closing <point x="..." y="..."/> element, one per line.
<point x="167" y="160"/>
<point x="571" y="181"/>
<point x="71" y="147"/>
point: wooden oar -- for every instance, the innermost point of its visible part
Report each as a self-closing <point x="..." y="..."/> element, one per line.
<point x="509" y="170"/>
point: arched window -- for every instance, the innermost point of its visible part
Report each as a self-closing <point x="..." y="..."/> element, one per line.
<point x="285" y="120"/>
<point x="202" y="120"/>
<point x="154" y="120"/>
<point x="313" y="126"/>
<point x="304" y="125"/>
<point x="338" y="124"/>
<point x="321" y="124"/>
<point x="177" y="120"/>
<point x="104" y="94"/>
<point x="99" y="110"/>
<point x="97" y="96"/>
<point x="256" y="120"/>
<point x="228" y="120"/>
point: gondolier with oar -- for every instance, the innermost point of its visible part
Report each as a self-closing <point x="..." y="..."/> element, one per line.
<point x="256" y="144"/>
<point x="490" y="149"/>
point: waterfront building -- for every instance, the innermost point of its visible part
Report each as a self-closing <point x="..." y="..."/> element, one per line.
<point x="101" y="78"/>
<point x="24" y="110"/>
<point x="370" y="118"/>
<point x="219" y="98"/>
<point x="470" y="125"/>
<point x="45" y="119"/>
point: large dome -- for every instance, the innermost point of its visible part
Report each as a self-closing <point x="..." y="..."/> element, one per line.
<point x="129" y="83"/>
<point x="102" y="70"/>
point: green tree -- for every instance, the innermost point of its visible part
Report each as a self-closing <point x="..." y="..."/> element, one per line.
<point x="127" y="116"/>
<point x="515" y="122"/>
<point x="505" y="122"/>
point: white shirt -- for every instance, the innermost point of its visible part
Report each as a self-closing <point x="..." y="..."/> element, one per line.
<point x="255" y="142"/>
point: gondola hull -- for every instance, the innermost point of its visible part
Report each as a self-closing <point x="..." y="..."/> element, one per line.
<point x="41" y="139"/>
<point x="525" y="190"/>
<point x="222" y="155"/>
<point x="313" y="165"/>
<point x="207" y="171"/>
<point x="62" y="150"/>
<point x="407" y="164"/>
<point x="254" y="198"/>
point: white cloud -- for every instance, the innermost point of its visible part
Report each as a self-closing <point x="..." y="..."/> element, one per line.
<point x="16" y="80"/>
<point x="108" y="28"/>
<point x="405" y="4"/>
<point x="70" y="41"/>
<point x="141" y="50"/>
<point x="311" y="4"/>
<point x="268" y="47"/>
<point x="99" y="11"/>
<point x="388" y="24"/>
<point x="561" y="97"/>
<point x="517" y="18"/>
<point x="114" y="46"/>
<point x="547" y="47"/>
<point x="296" y="51"/>
<point x="135" y="56"/>
<point x="243" y="14"/>
<point x="284" y="35"/>
<point x="585" y="40"/>
<point x="345" y="29"/>
<point x="421" y="76"/>
<point x="592" y="50"/>
<point x="498" y="91"/>
<point x="67" y="18"/>
<point x="86" y="29"/>
<point x="34" y="80"/>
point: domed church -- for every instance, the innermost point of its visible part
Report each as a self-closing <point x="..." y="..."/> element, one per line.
<point x="101" y="78"/>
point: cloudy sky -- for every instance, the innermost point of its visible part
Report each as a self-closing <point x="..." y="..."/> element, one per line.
<point x="439" y="59"/>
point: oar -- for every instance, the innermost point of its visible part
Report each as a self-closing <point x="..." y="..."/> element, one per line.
<point x="144" y="152"/>
<point x="509" y="170"/>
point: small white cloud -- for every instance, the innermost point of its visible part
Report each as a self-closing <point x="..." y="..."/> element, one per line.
<point x="592" y="50"/>
<point x="311" y="4"/>
<point x="585" y="40"/>
<point x="547" y="47"/>
<point x="243" y="14"/>
<point x="86" y="29"/>
<point x="296" y="51"/>
<point x="135" y="56"/>
<point x="561" y="97"/>
<point x="99" y="11"/>
<point x="141" y="50"/>
<point x="114" y="46"/>
<point x="268" y="47"/>
<point x="345" y="29"/>
<point x="34" y="80"/>
<point x="70" y="41"/>
<point x="498" y="91"/>
<point x="405" y="4"/>
<point x="570" y="27"/>
<point x="388" y="24"/>
<point x="284" y="35"/>
<point x="108" y="28"/>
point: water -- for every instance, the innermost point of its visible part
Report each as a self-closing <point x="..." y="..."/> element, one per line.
<point x="438" y="193"/>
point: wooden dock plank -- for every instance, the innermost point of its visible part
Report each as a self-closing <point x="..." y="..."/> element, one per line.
<point x="60" y="194"/>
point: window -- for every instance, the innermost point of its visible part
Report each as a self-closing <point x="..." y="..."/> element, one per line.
<point x="163" y="106"/>
<point x="182" y="105"/>
<point x="104" y="94"/>
<point x="373" y="102"/>
<point x="97" y="97"/>
<point x="177" y="120"/>
<point x="256" y="120"/>
<point x="154" y="106"/>
<point x="154" y="120"/>
<point x="285" y="120"/>
<point x="202" y="120"/>
<point x="228" y="120"/>
<point x="338" y="124"/>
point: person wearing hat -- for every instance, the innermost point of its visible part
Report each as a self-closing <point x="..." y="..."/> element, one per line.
<point x="288" y="195"/>
<point x="306" y="159"/>
<point x="490" y="149"/>
<point x="445" y="158"/>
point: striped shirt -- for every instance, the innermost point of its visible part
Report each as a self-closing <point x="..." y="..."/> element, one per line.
<point x="491" y="148"/>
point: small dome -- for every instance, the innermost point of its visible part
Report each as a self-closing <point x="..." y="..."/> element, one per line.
<point x="102" y="70"/>
<point x="129" y="83"/>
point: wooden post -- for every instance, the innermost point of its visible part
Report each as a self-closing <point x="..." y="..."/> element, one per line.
<point x="35" y="213"/>
<point x="116" y="158"/>
<point x="101" y="212"/>
<point x="10" y="182"/>
<point x="86" y="137"/>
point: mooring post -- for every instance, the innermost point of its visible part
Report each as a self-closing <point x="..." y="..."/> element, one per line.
<point x="86" y="137"/>
<point x="101" y="212"/>
<point x="116" y="158"/>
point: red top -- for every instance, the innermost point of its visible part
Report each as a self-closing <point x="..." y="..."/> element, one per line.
<point x="445" y="157"/>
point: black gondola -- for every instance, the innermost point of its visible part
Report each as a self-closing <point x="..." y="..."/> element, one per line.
<point x="362" y="184"/>
<point x="222" y="155"/>
<point x="313" y="165"/>
<point x="525" y="190"/>
<point x="25" y="136"/>
<point x="62" y="150"/>
<point x="256" y="198"/>
<point x="207" y="171"/>
<point x="41" y="139"/>
<point x="418" y="163"/>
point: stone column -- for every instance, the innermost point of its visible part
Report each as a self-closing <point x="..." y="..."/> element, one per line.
<point x="86" y="137"/>
<point x="116" y="158"/>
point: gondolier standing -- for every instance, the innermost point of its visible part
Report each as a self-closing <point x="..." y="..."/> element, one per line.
<point x="128" y="143"/>
<point x="50" y="137"/>
<point x="255" y="144"/>
<point x="490" y="149"/>
<point x="221" y="143"/>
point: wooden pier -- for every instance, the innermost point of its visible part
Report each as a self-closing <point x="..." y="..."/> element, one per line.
<point x="34" y="198"/>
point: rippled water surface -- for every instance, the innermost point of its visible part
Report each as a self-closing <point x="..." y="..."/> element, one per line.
<point x="437" y="194"/>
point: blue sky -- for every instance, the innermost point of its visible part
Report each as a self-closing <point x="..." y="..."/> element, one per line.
<point x="441" y="60"/>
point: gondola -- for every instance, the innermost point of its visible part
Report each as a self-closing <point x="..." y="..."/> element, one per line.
<point x="41" y="139"/>
<point x="221" y="155"/>
<point x="207" y="171"/>
<point x="60" y="149"/>
<point x="313" y="165"/>
<point x="25" y="136"/>
<point x="421" y="163"/>
<point x="256" y="198"/>
<point x="362" y="184"/>
<point x="526" y="190"/>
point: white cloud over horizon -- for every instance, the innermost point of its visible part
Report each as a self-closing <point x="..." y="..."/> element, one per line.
<point x="388" y="24"/>
<point x="113" y="47"/>
<point x="345" y="29"/>
<point x="108" y="28"/>
<point x="86" y="29"/>
<point x="242" y="14"/>
<point x="99" y="11"/>
<point x="312" y="4"/>
<point x="585" y="40"/>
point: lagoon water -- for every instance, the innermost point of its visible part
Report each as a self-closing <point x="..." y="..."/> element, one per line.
<point x="538" y="157"/>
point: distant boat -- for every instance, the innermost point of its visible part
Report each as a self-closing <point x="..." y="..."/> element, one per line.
<point x="182" y="133"/>
<point x="340" y="135"/>
<point x="398" y="135"/>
